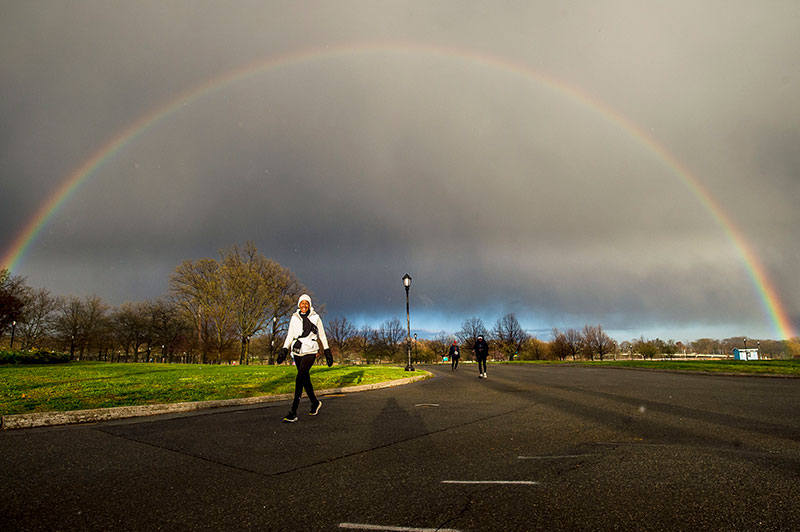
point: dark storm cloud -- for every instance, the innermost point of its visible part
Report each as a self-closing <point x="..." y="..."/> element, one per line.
<point x="496" y="191"/>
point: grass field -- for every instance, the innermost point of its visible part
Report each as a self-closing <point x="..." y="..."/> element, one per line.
<point x="83" y="385"/>
<point x="786" y="368"/>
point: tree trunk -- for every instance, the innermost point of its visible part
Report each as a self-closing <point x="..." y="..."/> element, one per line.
<point x="245" y="353"/>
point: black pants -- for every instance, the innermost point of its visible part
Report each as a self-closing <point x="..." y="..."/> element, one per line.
<point x="455" y="363"/>
<point x="303" y="380"/>
<point x="481" y="364"/>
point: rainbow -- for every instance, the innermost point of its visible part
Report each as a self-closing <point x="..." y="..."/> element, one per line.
<point x="767" y="292"/>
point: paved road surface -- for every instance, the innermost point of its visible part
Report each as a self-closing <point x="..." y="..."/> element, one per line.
<point x="529" y="448"/>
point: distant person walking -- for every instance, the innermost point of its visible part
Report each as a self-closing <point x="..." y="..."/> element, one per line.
<point x="305" y="330"/>
<point x="454" y="355"/>
<point x="481" y="349"/>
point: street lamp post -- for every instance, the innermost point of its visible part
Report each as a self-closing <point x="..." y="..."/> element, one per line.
<point x="407" y="284"/>
<point x="13" y="328"/>
<point x="416" y="356"/>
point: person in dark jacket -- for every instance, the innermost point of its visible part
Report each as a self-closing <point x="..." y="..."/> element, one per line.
<point x="481" y="349"/>
<point x="305" y="331"/>
<point x="454" y="355"/>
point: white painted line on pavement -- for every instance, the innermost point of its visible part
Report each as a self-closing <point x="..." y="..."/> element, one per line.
<point x="360" y="526"/>
<point x="525" y="482"/>
<point x="427" y="404"/>
<point x="642" y="444"/>
<point x="553" y="457"/>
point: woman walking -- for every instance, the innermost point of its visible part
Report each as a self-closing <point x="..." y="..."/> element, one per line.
<point x="481" y="349"/>
<point x="305" y="330"/>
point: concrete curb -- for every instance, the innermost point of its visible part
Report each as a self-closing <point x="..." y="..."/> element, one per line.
<point x="48" y="419"/>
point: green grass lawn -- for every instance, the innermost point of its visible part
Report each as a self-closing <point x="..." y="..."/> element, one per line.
<point x="787" y="368"/>
<point x="750" y="367"/>
<point x="82" y="385"/>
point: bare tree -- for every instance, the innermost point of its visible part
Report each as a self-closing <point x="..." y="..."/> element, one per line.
<point x="440" y="344"/>
<point x="38" y="314"/>
<point x="104" y="341"/>
<point x="574" y="340"/>
<point x="198" y="289"/>
<point x="470" y="330"/>
<point x="257" y="290"/>
<point x="94" y="322"/>
<point x="509" y="335"/>
<point x="167" y="327"/>
<point x="363" y="341"/>
<point x="341" y="334"/>
<point x="131" y="327"/>
<point x="12" y="293"/>
<point x="560" y="346"/>
<point x="707" y="346"/>
<point x="390" y="336"/>
<point x="597" y="342"/>
<point x="82" y="324"/>
<point x="67" y="324"/>
<point x="284" y="291"/>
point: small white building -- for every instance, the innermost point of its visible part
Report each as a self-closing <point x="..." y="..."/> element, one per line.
<point x="745" y="354"/>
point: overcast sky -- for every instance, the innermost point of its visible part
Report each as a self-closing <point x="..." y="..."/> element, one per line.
<point x="488" y="149"/>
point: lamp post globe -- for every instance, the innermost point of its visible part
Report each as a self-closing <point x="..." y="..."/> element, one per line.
<point x="407" y="284"/>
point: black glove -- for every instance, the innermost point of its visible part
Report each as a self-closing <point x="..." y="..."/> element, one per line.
<point x="328" y="357"/>
<point x="282" y="355"/>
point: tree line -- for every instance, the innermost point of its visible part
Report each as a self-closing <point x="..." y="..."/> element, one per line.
<point x="236" y="309"/>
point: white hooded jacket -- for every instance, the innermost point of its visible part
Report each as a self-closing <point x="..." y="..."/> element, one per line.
<point x="308" y="343"/>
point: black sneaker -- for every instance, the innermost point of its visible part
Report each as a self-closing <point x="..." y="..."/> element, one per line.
<point x="291" y="417"/>
<point x="315" y="409"/>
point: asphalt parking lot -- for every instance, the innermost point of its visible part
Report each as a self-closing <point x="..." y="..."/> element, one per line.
<point x="529" y="448"/>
